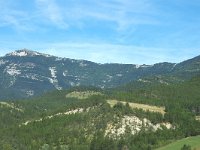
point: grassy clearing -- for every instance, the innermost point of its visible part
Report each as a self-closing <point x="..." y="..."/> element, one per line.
<point x="194" y="142"/>
<point x="139" y="106"/>
<point x="198" y="118"/>
<point x="82" y="95"/>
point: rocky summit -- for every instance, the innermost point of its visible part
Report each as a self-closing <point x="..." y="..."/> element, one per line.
<point x="25" y="73"/>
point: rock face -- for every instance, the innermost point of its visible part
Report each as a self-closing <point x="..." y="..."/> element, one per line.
<point x="25" y="73"/>
<point x="133" y="125"/>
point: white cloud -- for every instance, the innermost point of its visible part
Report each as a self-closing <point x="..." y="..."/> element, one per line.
<point x="52" y="11"/>
<point x="116" y="53"/>
<point x="124" y="13"/>
<point x="15" y="18"/>
<point x="126" y="21"/>
<point x="105" y="52"/>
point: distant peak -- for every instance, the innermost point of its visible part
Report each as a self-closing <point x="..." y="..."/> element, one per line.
<point x="142" y="66"/>
<point x="26" y="52"/>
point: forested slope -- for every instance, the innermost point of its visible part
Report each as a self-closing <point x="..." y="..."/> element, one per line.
<point x="62" y="120"/>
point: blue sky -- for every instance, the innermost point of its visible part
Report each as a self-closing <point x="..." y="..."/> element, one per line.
<point x="105" y="31"/>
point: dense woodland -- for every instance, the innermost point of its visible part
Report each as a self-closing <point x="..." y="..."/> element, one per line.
<point x="86" y="130"/>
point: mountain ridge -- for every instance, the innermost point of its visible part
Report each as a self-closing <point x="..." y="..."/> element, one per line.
<point x="25" y="73"/>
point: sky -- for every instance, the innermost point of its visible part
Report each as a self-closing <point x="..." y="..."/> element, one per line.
<point x="103" y="31"/>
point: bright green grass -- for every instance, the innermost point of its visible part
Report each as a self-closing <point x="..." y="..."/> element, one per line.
<point x="82" y="95"/>
<point x="194" y="142"/>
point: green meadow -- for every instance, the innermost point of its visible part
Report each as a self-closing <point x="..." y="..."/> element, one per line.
<point x="194" y="142"/>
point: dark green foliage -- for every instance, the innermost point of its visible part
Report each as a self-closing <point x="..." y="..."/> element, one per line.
<point x="186" y="147"/>
<point x="100" y="142"/>
<point x="84" y="131"/>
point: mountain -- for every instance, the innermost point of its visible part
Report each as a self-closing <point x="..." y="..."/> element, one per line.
<point x="116" y="106"/>
<point x="87" y="119"/>
<point x="25" y="73"/>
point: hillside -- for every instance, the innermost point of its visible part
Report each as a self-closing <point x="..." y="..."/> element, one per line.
<point x="80" y="105"/>
<point x="184" y="94"/>
<point x="25" y="73"/>
<point x="177" y="145"/>
<point x="82" y="118"/>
